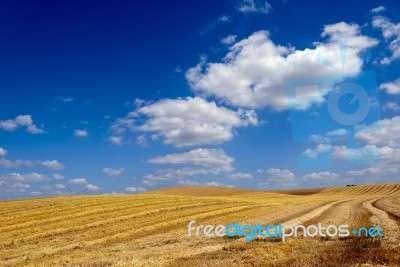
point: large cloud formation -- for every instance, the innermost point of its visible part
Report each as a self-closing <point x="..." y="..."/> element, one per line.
<point x="254" y="72"/>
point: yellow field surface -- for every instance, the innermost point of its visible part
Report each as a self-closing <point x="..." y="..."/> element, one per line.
<point x="150" y="229"/>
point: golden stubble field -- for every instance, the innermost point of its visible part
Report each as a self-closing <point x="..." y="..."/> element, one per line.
<point x="150" y="229"/>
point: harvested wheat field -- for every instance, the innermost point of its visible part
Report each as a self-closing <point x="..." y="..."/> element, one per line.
<point x="151" y="229"/>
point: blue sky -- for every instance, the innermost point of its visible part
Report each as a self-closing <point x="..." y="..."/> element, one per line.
<point x="124" y="97"/>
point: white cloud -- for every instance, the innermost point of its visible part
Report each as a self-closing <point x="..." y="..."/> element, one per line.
<point x="392" y="88"/>
<point x="240" y="175"/>
<point x="59" y="187"/>
<point x="141" y="140"/>
<point x="194" y="183"/>
<point x="116" y="140"/>
<point x="81" y="133"/>
<point x="373" y="171"/>
<point x="200" y="156"/>
<point x="188" y="183"/>
<point x="369" y="153"/>
<point x="15" y="163"/>
<point x="207" y="161"/>
<point x="280" y="175"/>
<point x="391" y="33"/>
<point x="178" y="69"/>
<point x="24" y="178"/>
<point x="113" y="172"/>
<point x="36" y="193"/>
<point x="78" y="181"/>
<point x="8" y="187"/>
<point x="91" y="187"/>
<point x="6" y="163"/>
<point x="320" y="148"/>
<point x="255" y="71"/>
<point x="3" y="152"/>
<point x="321" y="176"/>
<point x="52" y="164"/>
<point x="121" y="125"/>
<point x="391" y="106"/>
<point x="366" y="153"/>
<point x="182" y="173"/>
<point x="58" y="177"/>
<point x="193" y="121"/>
<point x="384" y="132"/>
<point x="378" y="9"/>
<point x="278" y="178"/>
<point x="257" y="6"/>
<point x="133" y="189"/>
<point x="223" y="18"/>
<point x="230" y="39"/>
<point x="21" y="121"/>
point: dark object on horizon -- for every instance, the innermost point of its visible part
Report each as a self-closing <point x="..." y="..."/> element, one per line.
<point x="351" y="185"/>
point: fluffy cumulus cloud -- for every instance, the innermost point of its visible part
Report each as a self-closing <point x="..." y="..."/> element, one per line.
<point x="369" y="153"/>
<point x="385" y="132"/>
<point x="254" y="6"/>
<point x="21" y="121"/>
<point x="113" y="172"/>
<point x="52" y="164"/>
<point x="391" y="33"/>
<point x="378" y="140"/>
<point x="392" y="88"/>
<point x="17" y="183"/>
<point x="391" y="106"/>
<point x="191" y="121"/>
<point x="255" y="71"/>
<point x="92" y="187"/>
<point x="201" y="156"/>
<point x="78" y="181"/>
<point x="379" y="150"/>
<point x="196" y="162"/>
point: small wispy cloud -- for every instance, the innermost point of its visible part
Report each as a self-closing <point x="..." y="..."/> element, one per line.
<point x="254" y="6"/>
<point x="81" y="133"/>
<point x="113" y="172"/>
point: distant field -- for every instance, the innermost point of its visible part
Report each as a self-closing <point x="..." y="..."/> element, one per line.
<point x="150" y="229"/>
